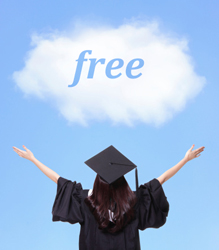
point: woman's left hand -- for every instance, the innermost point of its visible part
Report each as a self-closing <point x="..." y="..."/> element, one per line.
<point x="25" y="154"/>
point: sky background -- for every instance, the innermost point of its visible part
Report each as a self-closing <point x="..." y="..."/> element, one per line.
<point x="27" y="195"/>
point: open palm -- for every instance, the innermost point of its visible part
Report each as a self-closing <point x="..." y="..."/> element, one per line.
<point x="27" y="154"/>
<point x="193" y="154"/>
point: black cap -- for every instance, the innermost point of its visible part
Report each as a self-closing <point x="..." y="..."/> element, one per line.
<point x="110" y="164"/>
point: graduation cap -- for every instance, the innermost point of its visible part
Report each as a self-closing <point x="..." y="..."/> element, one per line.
<point x="110" y="164"/>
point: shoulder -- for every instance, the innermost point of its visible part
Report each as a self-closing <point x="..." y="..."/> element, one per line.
<point x="64" y="182"/>
<point x="152" y="184"/>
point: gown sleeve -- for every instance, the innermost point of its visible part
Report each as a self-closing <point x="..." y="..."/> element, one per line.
<point x="67" y="204"/>
<point x="153" y="205"/>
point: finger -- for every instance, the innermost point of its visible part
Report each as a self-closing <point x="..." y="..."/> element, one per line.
<point x="202" y="148"/>
<point x="192" y="147"/>
<point x="18" y="150"/>
<point x="199" y="150"/>
<point x="197" y="155"/>
<point x="19" y="154"/>
<point x="25" y="148"/>
<point x="196" y="151"/>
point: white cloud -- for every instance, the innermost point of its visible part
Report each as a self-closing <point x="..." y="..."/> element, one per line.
<point x="167" y="83"/>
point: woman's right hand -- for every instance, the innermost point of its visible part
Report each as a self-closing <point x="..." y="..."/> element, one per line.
<point x="25" y="154"/>
<point x="193" y="154"/>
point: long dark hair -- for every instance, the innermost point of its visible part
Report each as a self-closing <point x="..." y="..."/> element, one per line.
<point x="118" y="197"/>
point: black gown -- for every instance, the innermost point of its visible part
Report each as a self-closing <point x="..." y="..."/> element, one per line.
<point x="151" y="211"/>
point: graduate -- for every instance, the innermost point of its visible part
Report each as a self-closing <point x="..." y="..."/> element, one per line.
<point x="111" y="214"/>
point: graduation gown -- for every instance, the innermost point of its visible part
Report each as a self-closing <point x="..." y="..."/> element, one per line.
<point x="151" y="211"/>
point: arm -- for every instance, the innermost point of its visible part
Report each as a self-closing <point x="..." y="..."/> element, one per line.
<point x="172" y="171"/>
<point x="29" y="156"/>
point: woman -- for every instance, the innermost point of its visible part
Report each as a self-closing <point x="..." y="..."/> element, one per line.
<point x="111" y="214"/>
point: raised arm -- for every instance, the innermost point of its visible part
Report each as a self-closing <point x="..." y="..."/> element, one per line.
<point x="27" y="154"/>
<point x="172" y="171"/>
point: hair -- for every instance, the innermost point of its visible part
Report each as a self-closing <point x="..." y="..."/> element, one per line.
<point x="118" y="197"/>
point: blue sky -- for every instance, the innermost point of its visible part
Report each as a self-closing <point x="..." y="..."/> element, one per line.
<point x="27" y="195"/>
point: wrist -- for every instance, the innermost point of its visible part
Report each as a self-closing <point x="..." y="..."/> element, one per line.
<point x="185" y="159"/>
<point x="33" y="159"/>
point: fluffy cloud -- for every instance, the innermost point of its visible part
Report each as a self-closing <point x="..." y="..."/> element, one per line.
<point x="167" y="83"/>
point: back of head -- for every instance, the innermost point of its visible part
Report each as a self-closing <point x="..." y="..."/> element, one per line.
<point x="117" y="197"/>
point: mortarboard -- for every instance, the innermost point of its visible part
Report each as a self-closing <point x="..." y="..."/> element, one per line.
<point x="110" y="164"/>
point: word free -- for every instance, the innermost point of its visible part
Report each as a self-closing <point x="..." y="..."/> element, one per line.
<point x="109" y="67"/>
